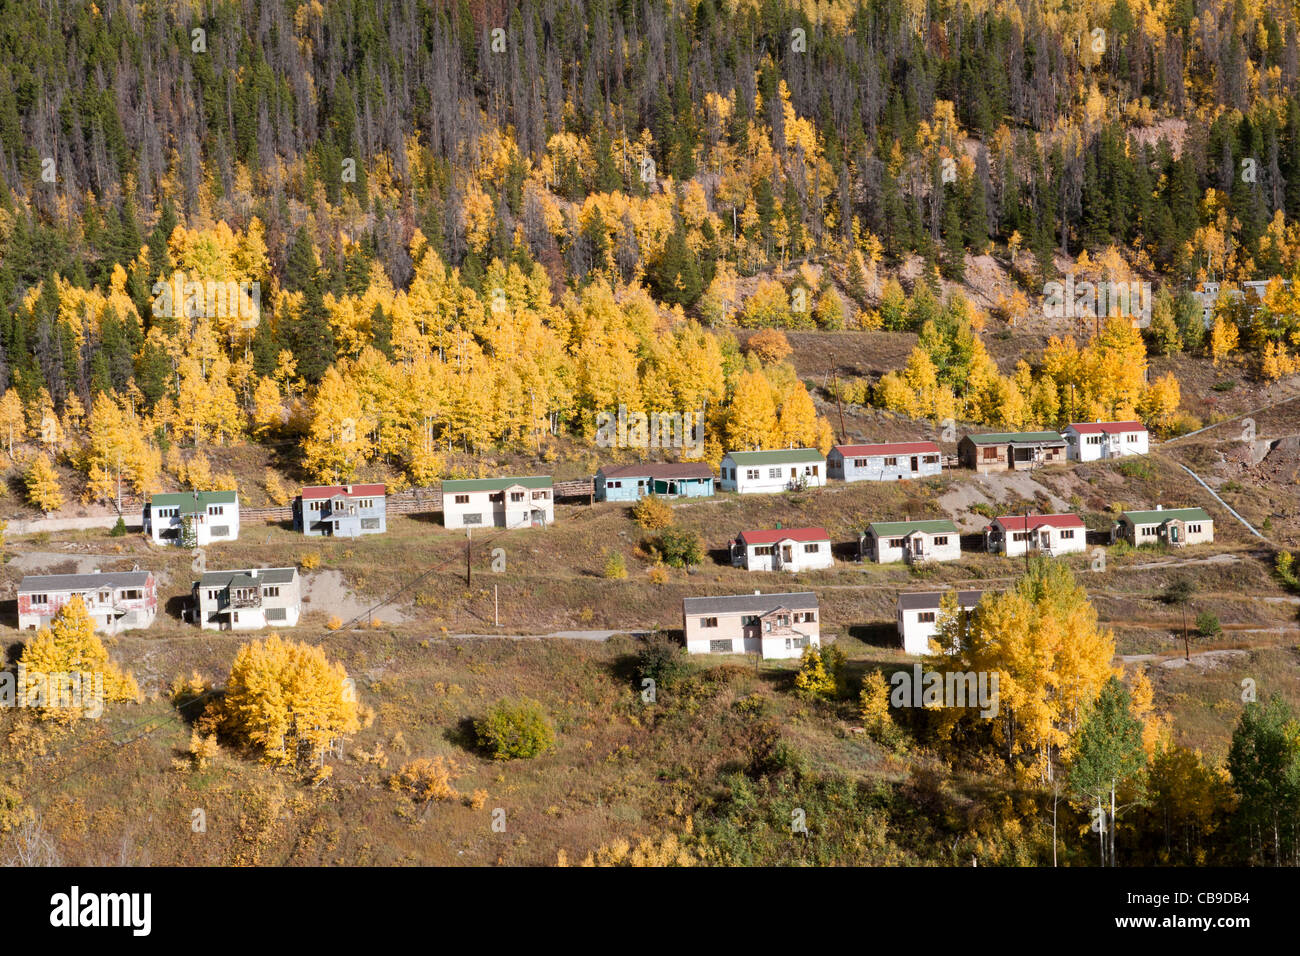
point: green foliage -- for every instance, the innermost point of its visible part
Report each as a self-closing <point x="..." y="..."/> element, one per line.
<point x="119" y="528"/>
<point x="662" y="661"/>
<point x="821" y="673"/>
<point x="678" y="548"/>
<point x="615" y="566"/>
<point x="515" y="729"/>
<point x="1207" y="625"/>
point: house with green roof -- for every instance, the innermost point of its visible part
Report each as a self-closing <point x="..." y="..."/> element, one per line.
<point x="192" y="519"/>
<point x="1011" y="451"/>
<point x="766" y="472"/>
<point x="247" y="599"/>
<point x="498" y="502"/>
<point x="885" y="542"/>
<point x="1177" y="527"/>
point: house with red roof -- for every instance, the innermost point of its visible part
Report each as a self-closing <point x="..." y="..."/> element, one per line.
<point x="1093" y="441"/>
<point x="341" y="511"/>
<point x="1048" y="535"/>
<point x="782" y="549"/>
<point x="891" y="461"/>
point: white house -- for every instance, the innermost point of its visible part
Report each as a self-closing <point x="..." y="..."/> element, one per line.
<point x="893" y="461"/>
<point x="1176" y="527"/>
<point x="247" y="599"/>
<point x="773" y="625"/>
<point x="1092" y="441"/>
<point x="115" y="600"/>
<point x="918" y="616"/>
<point x="784" y="549"/>
<point x="1048" y="535"/>
<point x="500" y="502"/>
<point x="782" y="469"/>
<point x="911" y="541"/>
<point x="207" y="516"/>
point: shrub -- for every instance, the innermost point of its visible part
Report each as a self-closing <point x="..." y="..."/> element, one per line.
<point x="309" y="561"/>
<point x="1284" y="565"/>
<point x="615" y="566"/>
<point x="662" y="661"/>
<point x="769" y="345"/>
<point x="1135" y="468"/>
<point x="983" y="510"/>
<point x="819" y="672"/>
<point x="1207" y="625"/>
<point x="426" y="779"/>
<point x="119" y="528"/>
<point x="678" y="548"/>
<point x="653" y="513"/>
<point x="658" y="575"/>
<point x="515" y="729"/>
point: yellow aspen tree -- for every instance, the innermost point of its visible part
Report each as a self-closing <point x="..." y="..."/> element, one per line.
<point x="268" y="407"/>
<point x="751" y="418"/>
<point x="336" y="444"/>
<point x="1223" y="338"/>
<point x="12" y="420"/>
<point x="43" y="484"/>
<point x="69" y="646"/>
<point x="798" y="423"/>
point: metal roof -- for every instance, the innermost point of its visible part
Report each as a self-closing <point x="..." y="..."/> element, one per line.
<point x="751" y="603"/>
<point x="83" y="582"/>
<point x="1092" y="428"/>
<point x="888" y="448"/>
<point x="893" y="529"/>
<point x="666" y="470"/>
<point x="783" y="534"/>
<point x="929" y="600"/>
<point x="1018" y="438"/>
<point x="263" y="576"/>
<point x="1017" y="522"/>
<point x="329" y="491"/>
<point x="778" y="456"/>
<point x="1161" y="515"/>
<point x="190" y="499"/>
<point x="495" y="484"/>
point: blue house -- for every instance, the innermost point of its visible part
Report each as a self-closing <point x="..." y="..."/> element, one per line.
<point x="668" y="479"/>
<point x="341" y="511"/>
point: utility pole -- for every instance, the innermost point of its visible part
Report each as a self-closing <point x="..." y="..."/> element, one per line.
<point x="468" y="572"/>
<point x="844" y="435"/>
<point x="1027" y="540"/>
<point x="496" y="607"/>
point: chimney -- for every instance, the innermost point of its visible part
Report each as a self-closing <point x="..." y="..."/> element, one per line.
<point x="253" y="573"/>
<point x="758" y="592"/>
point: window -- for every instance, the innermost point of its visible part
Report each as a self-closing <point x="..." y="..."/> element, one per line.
<point x="720" y="647"/>
<point x="1067" y="534"/>
<point x="613" y="484"/>
<point x="1020" y="536"/>
<point x="763" y="550"/>
<point x="462" y="499"/>
<point x="805" y="617"/>
<point x="774" y="473"/>
<point x="859" y="463"/>
<point x="708" y="622"/>
<point x="932" y="459"/>
<point x="1131" y="437"/>
<point x="213" y="594"/>
<point x="1148" y="531"/>
<point x="369" y="524"/>
<point x="473" y="519"/>
<point x="926" y="617"/>
<point x="749" y="620"/>
<point x="783" y="620"/>
<point x="541" y="495"/>
<point x="891" y="462"/>
<point x="991" y="453"/>
<point x="1193" y="529"/>
<point x="273" y="591"/>
<point x="277" y="614"/>
<point x="898" y="542"/>
<point x="132" y="594"/>
<point x="40" y="599"/>
<point x="941" y="541"/>
<point x="516" y="496"/>
<point x="366" y="503"/>
<point x="811" y="548"/>
<point x="1094" y="439"/>
<point x="794" y="643"/>
<point x="216" y="509"/>
<point x="751" y="474"/>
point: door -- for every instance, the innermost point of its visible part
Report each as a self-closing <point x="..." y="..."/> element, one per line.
<point x="1045" y="540"/>
<point x="918" y="546"/>
<point x="915" y="463"/>
<point x="786" y="555"/>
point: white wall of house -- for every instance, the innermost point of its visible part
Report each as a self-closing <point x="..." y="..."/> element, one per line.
<point x="736" y="633"/>
<point x="218" y="522"/>
<point x="1056" y="540"/>
<point x="1194" y="532"/>
<point x="1091" y="446"/>
<point x="474" y="509"/>
<point x="768" y="479"/>
<point x="916" y="627"/>
<point x="934" y="547"/>
<point x="788" y="555"/>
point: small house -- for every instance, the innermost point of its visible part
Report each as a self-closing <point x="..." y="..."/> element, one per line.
<point x="1049" y="535"/>
<point x="1010" y="451"/>
<point x="764" y="472"/>
<point x="192" y="519"/>
<point x="666" y="479"/>
<point x="885" y="462"/>
<point x="341" y="511"/>
<point x="912" y="541"/>
<point x="1176" y="527"/>
<point x="498" y="502"/>
<point x="1093" y="441"/>
<point x="116" y="600"/>
<point x="918" y="616"/>
<point x="773" y="625"/>
<point x="783" y="549"/>
<point x="247" y="599"/>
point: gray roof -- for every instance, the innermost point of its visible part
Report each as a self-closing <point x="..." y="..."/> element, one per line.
<point x="929" y="600"/>
<point x="749" y="603"/>
<point x="244" y="576"/>
<point x="82" y="582"/>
